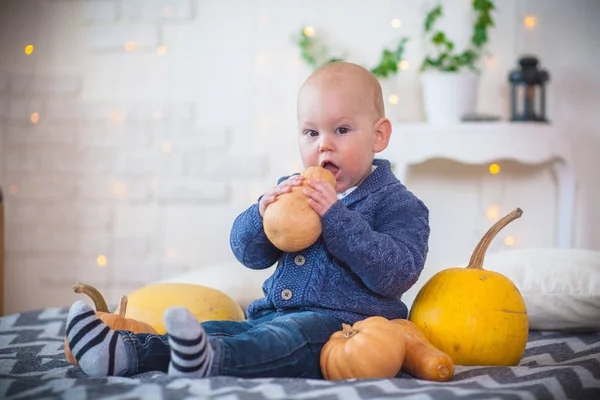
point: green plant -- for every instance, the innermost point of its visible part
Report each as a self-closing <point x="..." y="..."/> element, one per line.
<point x="316" y="54"/>
<point x="446" y="57"/>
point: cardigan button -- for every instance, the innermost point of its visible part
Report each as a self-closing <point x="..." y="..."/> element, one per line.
<point x="286" y="294"/>
<point x="300" y="260"/>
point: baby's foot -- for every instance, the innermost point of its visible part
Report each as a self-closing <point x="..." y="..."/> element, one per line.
<point x="99" y="350"/>
<point x="191" y="353"/>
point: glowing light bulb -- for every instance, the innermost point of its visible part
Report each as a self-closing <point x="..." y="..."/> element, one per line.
<point x="119" y="190"/>
<point x="13" y="189"/>
<point x="161" y="50"/>
<point x="530" y="21"/>
<point x="393" y="99"/>
<point x="403" y="65"/>
<point x="509" y="240"/>
<point x="493" y="213"/>
<point x="117" y="118"/>
<point x="34" y="117"/>
<point x="167" y="148"/>
<point x="167" y="11"/>
<point x="101" y="260"/>
<point x="396" y="23"/>
<point x="129" y="46"/>
<point x="494" y="169"/>
<point x="309" y="31"/>
<point x="29" y="49"/>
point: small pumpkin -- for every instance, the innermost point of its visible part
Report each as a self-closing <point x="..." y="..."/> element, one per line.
<point x="114" y="321"/>
<point x="150" y="302"/>
<point x="289" y="222"/>
<point x="422" y="359"/>
<point x="371" y="348"/>
<point x="476" y="316"/>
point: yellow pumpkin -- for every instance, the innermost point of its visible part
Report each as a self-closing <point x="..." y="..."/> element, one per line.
<point x="371" y="348"/>
<point x="149" y="303"/>
<point x="476" y="316"/>
<point x="289" y="222"/>
<point x="114" y="321"/>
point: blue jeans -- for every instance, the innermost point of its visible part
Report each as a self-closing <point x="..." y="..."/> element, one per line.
<point x="276" y="345"/>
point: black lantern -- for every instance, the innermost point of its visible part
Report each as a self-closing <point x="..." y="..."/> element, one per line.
<point x="528" y="91"/>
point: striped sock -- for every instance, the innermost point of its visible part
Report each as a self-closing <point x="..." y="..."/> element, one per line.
<point x="191" y="353"/>
<point x="99" y="350"/>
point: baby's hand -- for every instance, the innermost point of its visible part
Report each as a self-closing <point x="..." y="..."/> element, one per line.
<point x="322" y="197"/>
<point x="283" y="187"/>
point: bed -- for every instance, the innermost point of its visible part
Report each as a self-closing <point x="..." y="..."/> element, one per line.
<point x="556" y="365"/>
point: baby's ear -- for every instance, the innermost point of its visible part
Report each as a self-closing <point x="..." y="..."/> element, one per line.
<point x="383" y="131"/>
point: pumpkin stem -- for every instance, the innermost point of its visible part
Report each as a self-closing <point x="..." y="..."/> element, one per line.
<point x="123" y="306"/>
<point x="476" y="261"/>
<point x="348" y="331"/>
<point x="94" y="294"/>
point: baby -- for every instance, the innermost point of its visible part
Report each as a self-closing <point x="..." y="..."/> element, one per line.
<point x="372" y="249"/>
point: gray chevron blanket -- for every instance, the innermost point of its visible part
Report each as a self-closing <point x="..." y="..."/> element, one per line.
<point x="555" y="366"/>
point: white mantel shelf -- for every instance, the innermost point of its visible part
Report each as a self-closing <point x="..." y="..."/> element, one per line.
<point x="486" y="142"/>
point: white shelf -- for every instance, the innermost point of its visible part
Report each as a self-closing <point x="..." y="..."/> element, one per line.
<point x="486" y="142"/>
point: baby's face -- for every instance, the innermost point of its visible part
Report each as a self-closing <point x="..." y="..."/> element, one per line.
<point x="337" y="125"/>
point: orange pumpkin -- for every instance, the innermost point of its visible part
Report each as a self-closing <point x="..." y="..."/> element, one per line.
<point x="371" y="348"/>
<point x="289" y="222"/>
<point x="422" y="359"/>
<point x="114" y="321"/>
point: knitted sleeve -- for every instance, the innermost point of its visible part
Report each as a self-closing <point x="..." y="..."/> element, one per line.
<point x="249" y="242"/>
<point x="389" y="256"/>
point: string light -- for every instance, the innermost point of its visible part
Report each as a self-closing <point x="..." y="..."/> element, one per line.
<point x="167" y="11"/>
<point x="13" y="189"/>
<point x="309" y="31"/>
<point x="29" y="49"/>
<point x="494" y="169"/>
<point x="396" y="23"/>
<point x="161" y="50"/>
<point x="403" y="65"/>
<point x="509" y="240"/>
<point x="493" y="213"/>
<point x="167" y="148"/>
<point x="264" y="20"/>
<point x="158" y="115"/>
<point x="530" y="21"/>
<point x="101" y="260"/>
<point x="393" y="99"/>
<point x="34" y="117"/>
<point x="129" y="46"/>
<point x="117" y="118"/>
<point x="119" y="190"/>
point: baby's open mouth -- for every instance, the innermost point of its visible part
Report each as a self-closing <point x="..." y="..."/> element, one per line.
<point x="331" y="167"/>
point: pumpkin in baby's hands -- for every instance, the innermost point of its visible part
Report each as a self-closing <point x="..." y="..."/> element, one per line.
<point x="289" y="222"/>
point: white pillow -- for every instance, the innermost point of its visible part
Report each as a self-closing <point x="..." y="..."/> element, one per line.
<point x="242" y="284"/>
<point x="561" y="287"/>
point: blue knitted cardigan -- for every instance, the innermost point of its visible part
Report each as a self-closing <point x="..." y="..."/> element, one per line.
<point x="372" y="249"/>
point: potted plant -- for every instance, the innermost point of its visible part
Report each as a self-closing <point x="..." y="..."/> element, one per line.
<point x="448" y="77"/>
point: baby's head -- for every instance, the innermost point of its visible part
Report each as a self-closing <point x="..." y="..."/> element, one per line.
<point x="341" y="122"/>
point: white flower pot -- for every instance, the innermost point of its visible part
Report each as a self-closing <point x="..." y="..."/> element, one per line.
<point x="448" y="96"/>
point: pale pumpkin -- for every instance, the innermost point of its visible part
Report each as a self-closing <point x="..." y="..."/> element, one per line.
<point x="371" y="348"/>
<point x="289" y="222"/>
<point x="149" y="303"/>
<point x="476" y="316"/>
<point x="114" y="321"/>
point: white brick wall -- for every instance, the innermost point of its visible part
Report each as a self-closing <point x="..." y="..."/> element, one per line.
<point x="145" y="154"/>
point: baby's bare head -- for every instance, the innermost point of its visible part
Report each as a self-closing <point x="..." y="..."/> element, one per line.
<point x="354" y="80"/>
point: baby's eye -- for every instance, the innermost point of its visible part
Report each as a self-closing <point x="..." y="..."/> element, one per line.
<point x="342" y="130"/>
<point x="311" y="133"/>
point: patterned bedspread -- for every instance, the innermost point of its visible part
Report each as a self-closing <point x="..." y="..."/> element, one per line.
<point x="555" y="366"/>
